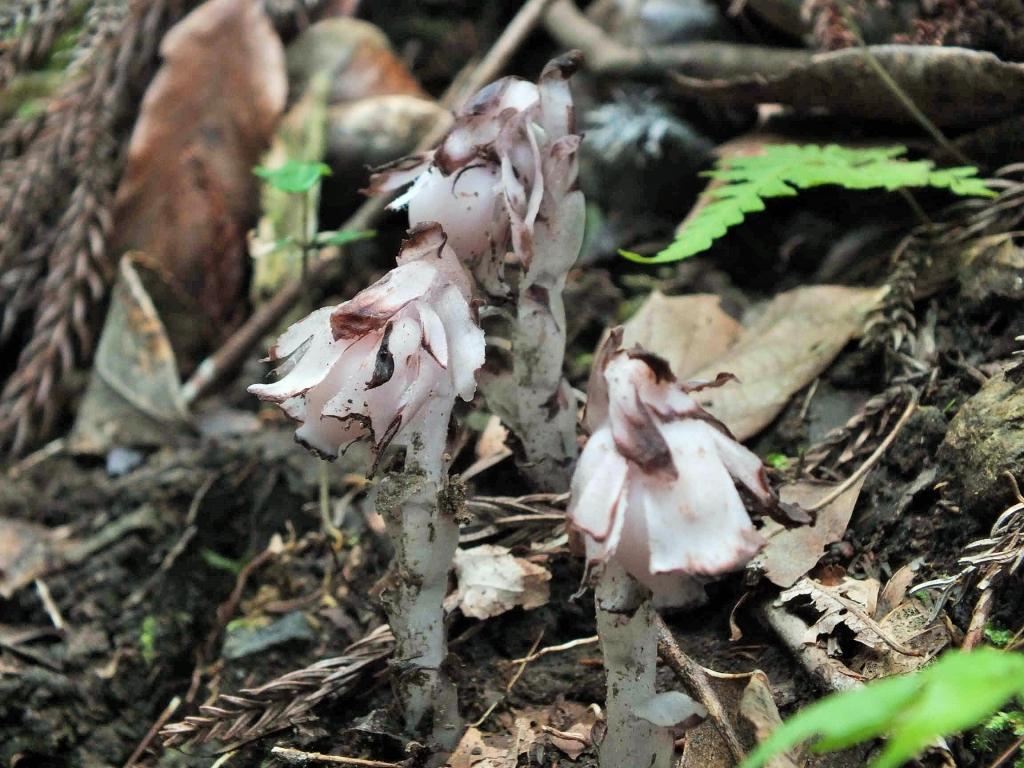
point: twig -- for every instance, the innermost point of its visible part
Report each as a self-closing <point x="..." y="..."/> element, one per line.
<point x="234" y="350"/>
<point x="526" y="660"/>
<point x="692" y="676"/>
<point x="606" y="56"/>
<point x="1010" y="751"/>
<point x="871" y="460"/>
<point x="169" y="710"/>
<point x="298" y="757"/>
<point x="52" y="610"/>
<point x="557" y="649"/>
<point x="979" y="618"/>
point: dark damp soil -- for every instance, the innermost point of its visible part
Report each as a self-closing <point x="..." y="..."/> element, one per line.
<point x="156" y="573"/>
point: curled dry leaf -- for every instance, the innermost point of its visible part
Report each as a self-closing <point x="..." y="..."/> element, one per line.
<point x="690" y="332"/>
<point x="791" y="552"/>
<point x="492" y="581"/>
<point x="850" y="603"/>
<point x="188" y="192"/>
<point x="954" y="87"/>
<point x="134" y="395"/>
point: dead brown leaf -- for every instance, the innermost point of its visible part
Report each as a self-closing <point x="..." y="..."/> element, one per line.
<point x="850" y="603"/>
<point x="757" y="707"/>
<point x="690" y="332"/>
<point x="134" y="395"/>
<point x="188" y="193"/>
<point x="910" y="625"/>
<point x="492" y="581"/>
<point x="27" y="551"/>
<point x="791" y="552"/>
<point x="474" y="751"/>
<point x="794" y="338"/>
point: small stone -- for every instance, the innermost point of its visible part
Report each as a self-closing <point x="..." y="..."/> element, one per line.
<point x="983" y="443"/>
<point x="245" y="641"/>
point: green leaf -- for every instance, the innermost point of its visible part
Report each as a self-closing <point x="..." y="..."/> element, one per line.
<point x="783" y="170"/>
<point x="344" y="236"/>
<point x="294" y="176"/>
<point x="958" y="691"/>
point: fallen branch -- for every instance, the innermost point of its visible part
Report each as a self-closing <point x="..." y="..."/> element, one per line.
<point x="606" y="56"/>
<point x="692" y="676"/>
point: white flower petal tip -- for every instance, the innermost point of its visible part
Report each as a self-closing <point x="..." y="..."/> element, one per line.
<point x="670" y="709"/>
<point x="657" y="486"/>
<point x="508" y="162"/>
<point x="381" y="364"/>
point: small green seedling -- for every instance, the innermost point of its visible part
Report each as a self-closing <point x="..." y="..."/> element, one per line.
<point x="296" y="177"/>
<point x="784" y="169"/>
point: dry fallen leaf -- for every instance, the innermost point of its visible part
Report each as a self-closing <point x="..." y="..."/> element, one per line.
<point x="910" y="625"/>
<point x="188" y="193"/>
<point x="690" y="332"/>
<point x="492" y="581"/>
<point x="791" y="552"/>
<point x="578" y="736"/>
<point x="850" y="603"/>
<point x="134" y="395"/>
<point x="793" y="340"/>
<point x="474" y="752"/>
<point x="757" y="707"/>
<point x="493" y="440"/>
<point x="27" y="551"/>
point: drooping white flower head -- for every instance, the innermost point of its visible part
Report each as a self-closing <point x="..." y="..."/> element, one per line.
<point x="390" y="362"/>
<point x="508" y="163"/>
<point x="656" y="485"/>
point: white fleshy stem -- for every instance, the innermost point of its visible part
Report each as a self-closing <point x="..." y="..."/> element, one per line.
<point x="545" y="403"/>
<point x="629" y="641"/>
<point x="421" y="524"/>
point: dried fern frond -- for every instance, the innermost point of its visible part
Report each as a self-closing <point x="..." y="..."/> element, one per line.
<point x="55" y="207"/>
<point x="987" y="561"/>
<point x="847" y="446"/>
<point x="891" y="325"/>
<point x="283" y="702"/>
<point x="30" y="30"/>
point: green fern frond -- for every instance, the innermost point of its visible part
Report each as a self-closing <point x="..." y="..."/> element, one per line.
<point x="782" y="170"/>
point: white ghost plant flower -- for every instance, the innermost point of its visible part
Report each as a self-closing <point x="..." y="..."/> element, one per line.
<point x="503" y="185"/>
<point x="387" y="366"/>
<point x="656" y="495"/>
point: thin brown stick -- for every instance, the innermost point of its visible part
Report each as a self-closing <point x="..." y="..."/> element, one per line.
<point x="154" y="729"/>
<point x="557" y="648"/>
<point x="692" y="676"/>
<point x="1010" y="751"/>
<point x="299" y="757"/>
<point x="606" y="56"/>
<point x="979" y="618"/>
<point x="871" y="460"/>
<point x="238" y="345"/>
